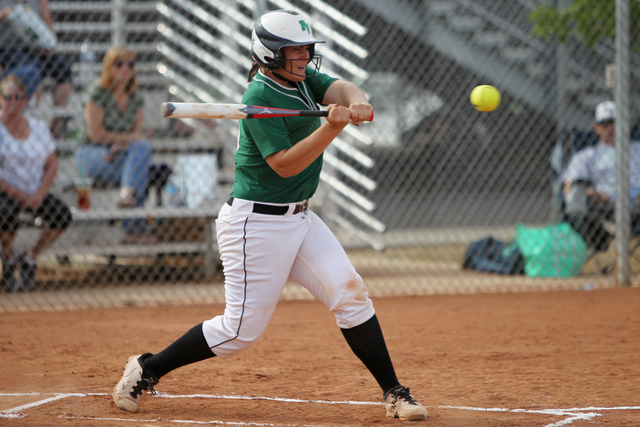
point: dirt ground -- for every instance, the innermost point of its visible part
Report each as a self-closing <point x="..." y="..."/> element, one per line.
<point x="554" y="358"/>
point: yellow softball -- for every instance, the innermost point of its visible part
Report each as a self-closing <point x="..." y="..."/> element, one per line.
<point x="485" y="98"/>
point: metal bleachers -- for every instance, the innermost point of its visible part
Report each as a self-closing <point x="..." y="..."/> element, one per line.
<point x="198" y="51"/>
<point x="103" y="23"/>
<point x="205" y="49"/>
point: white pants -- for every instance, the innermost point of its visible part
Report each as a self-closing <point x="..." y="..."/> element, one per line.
<point x="259" y="254"/>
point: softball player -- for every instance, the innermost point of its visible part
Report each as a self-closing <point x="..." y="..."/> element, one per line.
<point x="267" y="234"/>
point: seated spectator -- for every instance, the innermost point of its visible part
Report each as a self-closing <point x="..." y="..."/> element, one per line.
<point x="32" y="63"/>
<point x="28" y="166"/>
<point x="596" y="165"/>
<point x="115" y="150"/>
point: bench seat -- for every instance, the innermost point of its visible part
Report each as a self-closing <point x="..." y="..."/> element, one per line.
<point x="105" y="219"/>
<point x="97" y="231"/>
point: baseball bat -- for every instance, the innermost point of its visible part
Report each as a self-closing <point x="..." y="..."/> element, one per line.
<point x="189" y="110"/>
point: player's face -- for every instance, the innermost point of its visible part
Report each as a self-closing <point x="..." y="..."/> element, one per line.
<point x="297" y="59"/>
<point x="606" y="131"/>
<point x="13" y="100"/>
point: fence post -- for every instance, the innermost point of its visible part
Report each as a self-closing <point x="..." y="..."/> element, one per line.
<point x="117" y="23"/>
<point x="623" y="217"/>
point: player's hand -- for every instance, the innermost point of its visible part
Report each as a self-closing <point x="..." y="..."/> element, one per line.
<point x="339" y="116"/>
<point x="360" y="112"/>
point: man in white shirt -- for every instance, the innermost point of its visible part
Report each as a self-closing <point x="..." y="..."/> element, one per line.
<point x="596" y="166"/>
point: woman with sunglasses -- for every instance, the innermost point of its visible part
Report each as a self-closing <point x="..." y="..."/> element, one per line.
<point x="115" y="149"/>
<point x="28" y="166"/>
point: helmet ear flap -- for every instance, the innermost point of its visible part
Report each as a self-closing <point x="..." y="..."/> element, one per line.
<point x="279" y="61"/>
<point x="261" y="53"/>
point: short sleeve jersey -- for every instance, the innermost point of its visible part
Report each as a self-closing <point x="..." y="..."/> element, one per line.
<point x="22" y="161"/>
<point x="114" y="119"/>
<point x="255" y="179"/>
<point x="598" y="165"/>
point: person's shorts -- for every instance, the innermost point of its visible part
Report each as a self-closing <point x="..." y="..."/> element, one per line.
<point x="32" y="68"/>
<point x="55" y="214"/>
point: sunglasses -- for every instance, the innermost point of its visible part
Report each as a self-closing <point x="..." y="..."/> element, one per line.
<point x="606" y="122"/>
<point x="119" y="63"/>
<point x="16" y="96"/>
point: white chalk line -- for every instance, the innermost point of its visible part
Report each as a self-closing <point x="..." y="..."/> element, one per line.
<point x="231" y="423"/>
<point x="12" y="413"/>
<point x="573" y="414"/>
<point x="274" y="399"/>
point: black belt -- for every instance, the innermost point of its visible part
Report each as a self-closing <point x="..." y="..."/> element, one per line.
<point x="274" y="210"/>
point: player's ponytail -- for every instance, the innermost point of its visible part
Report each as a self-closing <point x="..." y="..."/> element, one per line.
<point x="253" y="71"/>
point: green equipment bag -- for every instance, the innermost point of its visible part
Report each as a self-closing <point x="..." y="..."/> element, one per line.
<point x="553" y="251"/>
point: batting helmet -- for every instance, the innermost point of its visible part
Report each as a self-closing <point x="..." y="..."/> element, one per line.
<point x="277" y="29"/>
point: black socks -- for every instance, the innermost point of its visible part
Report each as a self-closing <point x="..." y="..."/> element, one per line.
<point x="189" y="348"/>
<point x="366" y="342"/>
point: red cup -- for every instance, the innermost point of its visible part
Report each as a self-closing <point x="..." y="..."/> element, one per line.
<point x="84" y="198"/>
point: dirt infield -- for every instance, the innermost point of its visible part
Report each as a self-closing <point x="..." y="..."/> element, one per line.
<point x="528" y="359"/>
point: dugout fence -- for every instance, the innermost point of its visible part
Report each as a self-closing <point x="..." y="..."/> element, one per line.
<point x="405" y="194"/>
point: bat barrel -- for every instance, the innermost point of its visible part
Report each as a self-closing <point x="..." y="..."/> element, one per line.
<point x="166" y="109"/>
<point x="203" y="110"/>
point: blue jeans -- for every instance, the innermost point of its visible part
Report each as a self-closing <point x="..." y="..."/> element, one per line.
<point x="129" y="168"/>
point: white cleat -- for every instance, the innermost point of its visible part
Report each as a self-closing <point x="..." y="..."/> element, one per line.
<point x="400" y="404"/>
<point x="128" y="391"/>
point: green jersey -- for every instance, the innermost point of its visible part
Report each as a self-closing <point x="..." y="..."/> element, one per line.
<point x="114" y="119"/>
<point x="259" y="138"/>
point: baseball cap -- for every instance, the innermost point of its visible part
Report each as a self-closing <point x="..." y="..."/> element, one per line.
<point x="605" y="112"/>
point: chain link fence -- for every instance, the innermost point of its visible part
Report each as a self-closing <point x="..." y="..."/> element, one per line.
<point x="406" y="194"/>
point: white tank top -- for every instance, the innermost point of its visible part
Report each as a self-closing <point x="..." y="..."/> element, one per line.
<point x="22" y="161"/>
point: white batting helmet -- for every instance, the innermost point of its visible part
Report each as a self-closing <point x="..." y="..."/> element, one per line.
<point x="277" y="29"/>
